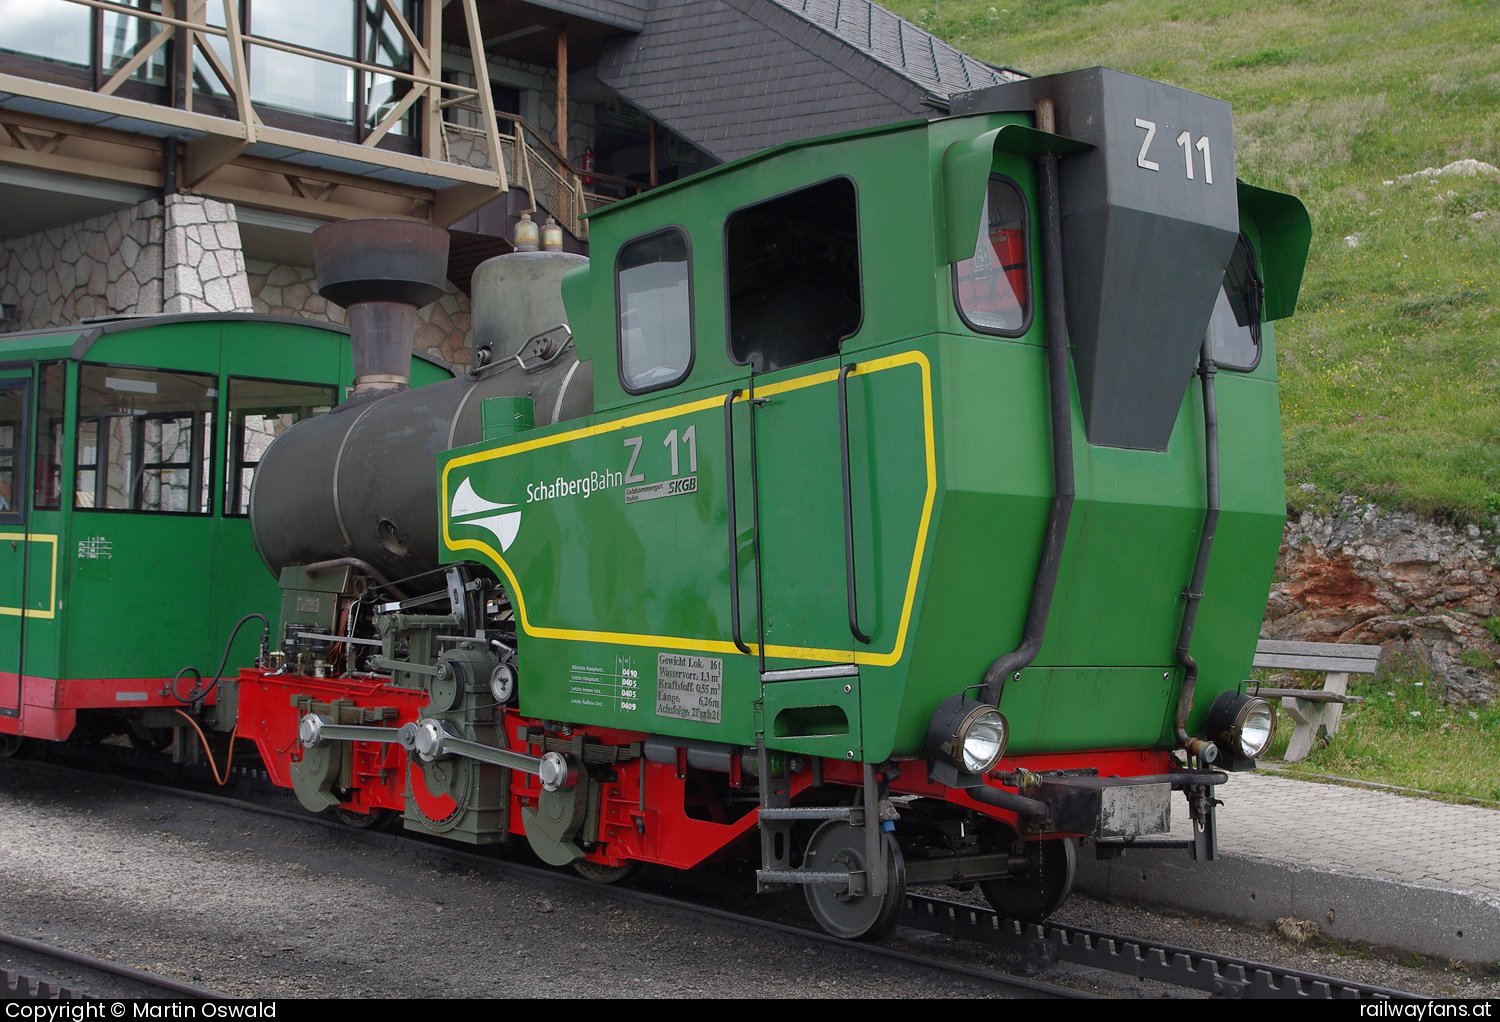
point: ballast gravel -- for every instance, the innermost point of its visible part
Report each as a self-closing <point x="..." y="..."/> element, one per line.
<point x="270" y="907"/>
<point x="259" y="906"/>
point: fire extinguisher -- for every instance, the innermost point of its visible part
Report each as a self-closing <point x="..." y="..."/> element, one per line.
<point x="588" y="166"/>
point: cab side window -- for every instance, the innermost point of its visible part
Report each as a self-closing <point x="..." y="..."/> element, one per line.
<point x="1234" y="329"/>
<point x="993" y="289"/>
<point x="653" y="281"/>
<point x="792" y="265"/>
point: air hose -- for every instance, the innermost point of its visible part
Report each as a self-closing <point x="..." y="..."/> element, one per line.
<point x="197" y="695"/>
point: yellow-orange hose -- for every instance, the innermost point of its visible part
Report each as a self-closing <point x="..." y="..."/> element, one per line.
<point x="207" y="752"/>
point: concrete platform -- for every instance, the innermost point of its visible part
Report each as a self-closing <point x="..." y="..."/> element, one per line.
<point x="1398" y="871"/>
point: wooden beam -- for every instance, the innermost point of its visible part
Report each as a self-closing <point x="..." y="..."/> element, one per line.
<point x="432" y="115"/>
<point x="133" y="64"/>
<point x="418" y="53"/>
<point x="562" y="96"/>
<point x="486" y="97"/>
<point x="119" y="106"/>
<point x="92" y="169"/>
<point x="652" y="123"/>
<point x="285" y="203"/>
<point x="206" y="155"/>
<point x="241" y="76"/>
<point x="451" y="205"/>
<point x="397" y="112"/>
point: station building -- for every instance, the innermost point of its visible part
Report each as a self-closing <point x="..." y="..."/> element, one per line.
<point x="175" y="156"/>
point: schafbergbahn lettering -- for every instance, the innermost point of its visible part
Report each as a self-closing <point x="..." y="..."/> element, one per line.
<point x="584" y="486"/>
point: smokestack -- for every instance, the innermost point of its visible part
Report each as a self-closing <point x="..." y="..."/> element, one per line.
<point x="382" y="272"/>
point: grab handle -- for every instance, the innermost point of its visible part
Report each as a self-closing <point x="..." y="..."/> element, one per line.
<point x="734" y="531"/>
<point x="848" y="502"/>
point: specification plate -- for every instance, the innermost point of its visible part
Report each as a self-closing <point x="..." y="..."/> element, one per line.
<point x="689" y="687"/>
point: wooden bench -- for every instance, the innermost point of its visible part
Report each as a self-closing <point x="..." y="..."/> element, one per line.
<point x="1314" y="710"/>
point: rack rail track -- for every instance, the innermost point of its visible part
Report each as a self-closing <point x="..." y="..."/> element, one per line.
<point x="1220" y="976"/>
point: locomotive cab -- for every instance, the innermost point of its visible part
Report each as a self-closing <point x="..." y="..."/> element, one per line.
<point x="919" y="526"/>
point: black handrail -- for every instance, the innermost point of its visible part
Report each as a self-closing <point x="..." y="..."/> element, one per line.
<point x="848" y="503"/>
<point x="734" y="531"/>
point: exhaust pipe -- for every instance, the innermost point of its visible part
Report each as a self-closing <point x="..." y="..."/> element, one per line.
<point x="382" y="272"/>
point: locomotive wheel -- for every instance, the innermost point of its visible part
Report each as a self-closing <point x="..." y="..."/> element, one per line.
<point x="11" y="745"/>
<point x="1035" y="894"/>
<point x="599" y="873"/>
<point x="376" y="819"/>
<point x="838" y="846"/>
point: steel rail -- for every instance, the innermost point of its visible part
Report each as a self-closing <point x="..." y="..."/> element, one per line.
<point x="1019" y="985"/>
<point x="149" y="979"/>
<point x="1219" y="975"/>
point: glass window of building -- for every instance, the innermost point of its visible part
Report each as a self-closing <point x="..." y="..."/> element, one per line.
<point x="51" y="30"/>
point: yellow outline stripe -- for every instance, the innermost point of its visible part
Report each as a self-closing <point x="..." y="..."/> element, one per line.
<point x="843" y="656"/>
<point x="51" y="611"/>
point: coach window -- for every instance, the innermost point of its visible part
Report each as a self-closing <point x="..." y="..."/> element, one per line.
<point x="259" y="412"/>
<point x="656" y="322"/>
<point x="144" y="438"/>
<point x="993" y="289"/>
<point x="792" y="268"/>
<point x="47" y="489"/>
<point x="12" y="448"/>
<point x="1234" y="329"/>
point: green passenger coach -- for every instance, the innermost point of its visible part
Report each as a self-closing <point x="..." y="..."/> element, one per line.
<point x="127" y="451"/>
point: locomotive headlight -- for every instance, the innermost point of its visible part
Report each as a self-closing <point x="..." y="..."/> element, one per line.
<point x="968" y="734"/>
<point x="1254" y="728"/>
<point x="1246" y="724"/>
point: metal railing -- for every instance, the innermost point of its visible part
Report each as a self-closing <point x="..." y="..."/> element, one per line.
<point x="534" y="163"/>
<point x="187" y="22"/>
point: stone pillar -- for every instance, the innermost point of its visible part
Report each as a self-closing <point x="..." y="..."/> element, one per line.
<point x="203" y="260"/>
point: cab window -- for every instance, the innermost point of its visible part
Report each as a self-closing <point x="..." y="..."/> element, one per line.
<point x="792" y="267"/>
<point x="259" y="412"/>
<point x="656" y="322"/>
<point x="144" y="438"/>
<point x="1234" y="329"/>
<point x="993" y="289"/>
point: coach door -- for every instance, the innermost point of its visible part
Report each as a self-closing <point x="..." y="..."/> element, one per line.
<point x="794" y="295"/>
<point x="15" y="390"/>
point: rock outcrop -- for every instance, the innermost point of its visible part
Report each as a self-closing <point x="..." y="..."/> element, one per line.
<point x="1422" y="591"/>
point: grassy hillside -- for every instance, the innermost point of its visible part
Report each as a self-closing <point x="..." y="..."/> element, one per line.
<point x="1391" y="368"/>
